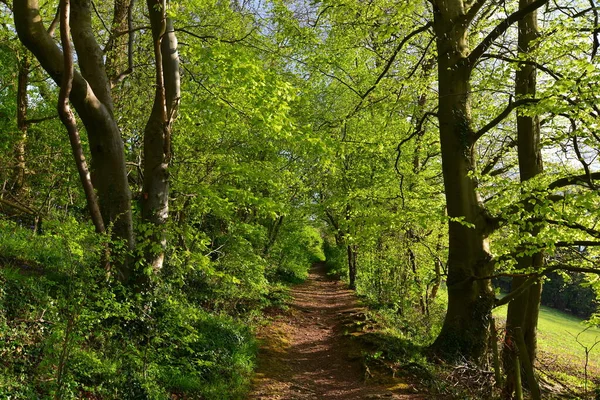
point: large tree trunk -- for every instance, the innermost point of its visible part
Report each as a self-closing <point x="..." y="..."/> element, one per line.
<point x="470" y="299"/>
<point x="470" y="296"/>
<point x="157" y="134"/>
<point x="68" y="118"/>
<point x="117" y="49"/>
<point x="92" y="101"/>
<point x="523" y="311"/>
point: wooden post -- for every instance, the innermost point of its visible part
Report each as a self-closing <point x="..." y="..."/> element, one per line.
<point x="518" y="385"/>
<point x="494" y="344"/>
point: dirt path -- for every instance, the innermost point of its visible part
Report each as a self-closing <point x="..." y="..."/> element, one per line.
<point x="305" y="355"/>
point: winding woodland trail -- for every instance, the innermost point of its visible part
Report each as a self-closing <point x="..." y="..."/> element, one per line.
<point x="305" y="355"/>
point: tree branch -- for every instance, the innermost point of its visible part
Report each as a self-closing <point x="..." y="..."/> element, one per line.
<point x="206" y="37"/>
<point x="511" y="106"/>
<point x="577" y="243"/>
<point x="38" y="120"/>
<point x="418" y="130"/>
<point x="506" y="145"/>
<point x="534" y="277"/>
<point x="555" y="75"/>
<point x="389" y="63"/>
<point x="473" y="10"/>
<point x="573" y="180"/>
<point x="572" y="225"/>
<point x="499" y="30"/>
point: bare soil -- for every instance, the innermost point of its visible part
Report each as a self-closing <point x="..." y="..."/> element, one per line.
<point x="306" y="354"/>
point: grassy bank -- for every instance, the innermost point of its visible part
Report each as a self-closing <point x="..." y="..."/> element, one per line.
<point x="68" y="330"/>
<point x="560" y="354"/>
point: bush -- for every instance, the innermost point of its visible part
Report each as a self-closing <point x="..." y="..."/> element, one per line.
<point x="568" y="292"/>
<point x="297" y="248"/>
<point x="67" y="329"/>
<point x="336" y="258"/>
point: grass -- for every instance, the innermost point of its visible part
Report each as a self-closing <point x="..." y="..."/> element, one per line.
<point x="559" y="351"/>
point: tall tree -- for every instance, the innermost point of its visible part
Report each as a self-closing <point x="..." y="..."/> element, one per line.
<point x="91" y="97"/>
<point x="68" y="118"/>
<point x="470" y="295"/>
<point x="92" y="101"/>
<point x="523" y="311"/>
<point x="157" y="134"/>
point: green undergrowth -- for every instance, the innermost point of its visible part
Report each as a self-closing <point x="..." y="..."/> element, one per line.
<point x="69" y="330"/>
<point x="394" y="350"/>
<point x="560" y="355"/>
<point x="399" y="341"/>
<point x="298" y="248"/>
<point x="335" y="259"/>
<point x="395" y="355"/>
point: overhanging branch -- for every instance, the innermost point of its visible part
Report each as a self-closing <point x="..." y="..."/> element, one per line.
<point x="534" y="277"/>
<point x="499" y="30"/>
<point x="511" y="106"/>
<point x="573" y="180"/>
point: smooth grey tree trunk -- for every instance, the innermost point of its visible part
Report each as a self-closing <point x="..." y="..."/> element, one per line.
<point x="157" y="134"/>
<point x="523" y="311"/>
<point x="92" y="100"/>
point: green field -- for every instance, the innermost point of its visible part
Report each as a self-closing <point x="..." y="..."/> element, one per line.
<point x="559" y="352"/>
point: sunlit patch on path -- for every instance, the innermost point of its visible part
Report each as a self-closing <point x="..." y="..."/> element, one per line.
<point x="305" y="355"/>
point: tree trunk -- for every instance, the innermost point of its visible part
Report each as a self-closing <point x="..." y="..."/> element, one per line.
<point x="523" y="311"/>
<point x="117" y="51"/>
<point x="273" y="233"/>
<point x="466" y="326"/>
<point x="352" y="255"/>
<point x="437" y="269"/>
<point x="91" y="99"/>
<point x="22" y="105"/>
<point x="68" y="119"/>
<point x="157" y="134"/>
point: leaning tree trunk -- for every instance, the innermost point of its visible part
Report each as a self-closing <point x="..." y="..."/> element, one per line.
<point x="68" y="118"/>
<point x="157" y="134"/>
<point x="470" y="299"/>
<point x="523" y="311"/>
<point x="91" y="99"/>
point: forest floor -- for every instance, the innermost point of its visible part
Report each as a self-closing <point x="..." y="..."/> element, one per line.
<point x="306" y="353"/>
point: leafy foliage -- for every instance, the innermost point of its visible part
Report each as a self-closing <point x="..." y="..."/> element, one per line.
<point x="306" y="131"/>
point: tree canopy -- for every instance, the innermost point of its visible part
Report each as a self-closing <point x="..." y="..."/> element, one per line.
<point x="208" y="151"/>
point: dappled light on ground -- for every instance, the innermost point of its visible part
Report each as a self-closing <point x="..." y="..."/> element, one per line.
<point x="305" y="354"/>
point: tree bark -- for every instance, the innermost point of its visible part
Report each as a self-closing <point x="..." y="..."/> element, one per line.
<point x="523" y="311"/>
<point x="118" y="63"/>
<point x="157" y="134"/>
<point x="351" y="249"/>
<point x="68" y="119"/>
<point x="470" y="297"/>
<point x="465" y="329"/>
<point x="22" y="105"/>
<point x="91" y="99"/>
<point x="352" y="255"/>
